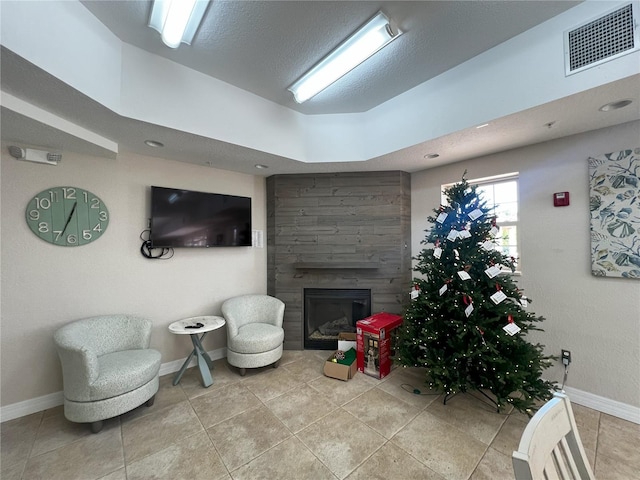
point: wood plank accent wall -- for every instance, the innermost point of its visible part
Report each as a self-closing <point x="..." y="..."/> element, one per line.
<point x="338" y="230"/>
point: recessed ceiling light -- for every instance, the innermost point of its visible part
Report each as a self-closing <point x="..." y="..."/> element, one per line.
<point x="260" y="166"/>
<point x="615" y="105"/>
<point x="431" y="155"/>
<point x="154" y="143"/>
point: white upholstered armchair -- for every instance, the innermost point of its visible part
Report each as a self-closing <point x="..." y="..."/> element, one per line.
<point x="254" y="331"/>
<point x="107" y="367"/>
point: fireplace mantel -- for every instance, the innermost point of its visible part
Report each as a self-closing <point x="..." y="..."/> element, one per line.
<point x="338" y="230"/>
<point x="335" y="265"/>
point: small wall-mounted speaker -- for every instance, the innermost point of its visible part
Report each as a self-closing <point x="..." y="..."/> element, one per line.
<point x="33" y="155"/>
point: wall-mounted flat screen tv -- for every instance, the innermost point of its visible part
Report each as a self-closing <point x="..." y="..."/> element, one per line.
<point x="184" y="218"/>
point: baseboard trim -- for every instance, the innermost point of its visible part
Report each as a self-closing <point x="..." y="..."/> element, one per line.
<point x="604" y="405"/>
<point x="586" y="399"/>
<point x="34" y="405"/>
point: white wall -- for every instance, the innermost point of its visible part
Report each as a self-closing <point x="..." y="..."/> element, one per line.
<point x="64" y="39"/>
<point x="43" y="286"/>
<point x="596" y="318"/>
<point x="46" y="286"/>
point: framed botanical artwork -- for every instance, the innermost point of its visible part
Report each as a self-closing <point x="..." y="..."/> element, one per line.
<point x="614" y="200"/>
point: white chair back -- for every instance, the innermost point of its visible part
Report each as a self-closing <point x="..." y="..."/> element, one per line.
<point x="550" y="447"/>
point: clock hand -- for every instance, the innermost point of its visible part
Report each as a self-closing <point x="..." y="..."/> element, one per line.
<point x="69" y="219"/>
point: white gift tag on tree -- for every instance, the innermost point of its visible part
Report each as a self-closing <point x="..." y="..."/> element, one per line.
<point x="468" y="310"/>
<point x="511" y="328"/>
<point x="464" y="234"/>
<point x="524" y="301"/>
<point x="498" y="297"/>
<point x="492" y="271"/>
<point x="464" y="275"/>
<point x="437" y="252"/>
<point x="494" y="231"/>
<point x="443" y="289"/>
<point x="477" y="213"/>
<point x="488" y="245"/>
<point x="453" y="235"/>
<point x="415" y="294"/>
<point x="442" y="217"/>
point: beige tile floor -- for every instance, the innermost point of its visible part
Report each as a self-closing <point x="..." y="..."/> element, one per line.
<point x="294" y="423"/>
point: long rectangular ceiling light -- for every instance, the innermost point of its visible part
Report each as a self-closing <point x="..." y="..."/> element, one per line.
<point x="374" y="35"/>
<point x="177" y="20"/>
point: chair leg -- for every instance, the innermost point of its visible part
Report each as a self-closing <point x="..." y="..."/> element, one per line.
<point x="97" y="426"/>
<point x="150" y="401"/>
<point x="243" y="372"/>
<point x="276" y="364"/>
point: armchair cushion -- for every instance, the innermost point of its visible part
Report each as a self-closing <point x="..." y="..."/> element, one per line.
<point x="256" y="338"/>
<point x="122" y="372"/>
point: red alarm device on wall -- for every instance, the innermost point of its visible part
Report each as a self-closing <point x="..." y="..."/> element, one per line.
<point x="561" y="199"/>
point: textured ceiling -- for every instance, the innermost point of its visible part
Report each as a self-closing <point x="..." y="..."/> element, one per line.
<point x="263" y="46"/>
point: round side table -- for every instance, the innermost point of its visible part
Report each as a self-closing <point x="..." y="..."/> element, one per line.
<point x="197" y="328"/>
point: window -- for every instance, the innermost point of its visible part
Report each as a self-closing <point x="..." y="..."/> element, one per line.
<point x="501" y="193"/>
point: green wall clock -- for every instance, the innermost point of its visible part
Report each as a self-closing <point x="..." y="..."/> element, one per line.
<point x="67" y="216"/>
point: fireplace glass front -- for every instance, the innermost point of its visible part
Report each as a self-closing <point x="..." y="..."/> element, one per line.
<point x="330" y="311"/>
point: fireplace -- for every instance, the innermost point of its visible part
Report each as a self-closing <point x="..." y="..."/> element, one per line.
<point x="348" y="230"/>
<point x="330" y="311"/>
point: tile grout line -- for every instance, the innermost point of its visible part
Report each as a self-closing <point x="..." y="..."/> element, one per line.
<point x="124" y="459"/>
<point x="206" y="432"/>
<point x="312" y="452"/>
<point x="35" y="438"/>
<point x="262" y="403"/>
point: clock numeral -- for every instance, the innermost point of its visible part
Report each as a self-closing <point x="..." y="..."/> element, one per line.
<point x="58" y="235"/>
<point x="95" y="203"/>
<point x="102" y="216"/>
<point x="34" y="215"/>
<point x="43" y="227"/>
<point x="43" y="203"/>
<point x="69" y="193"/>
<point x="72" y="239"/>
<point x="97" y="228"/>
<point x="86" y="234"/>
<point x="53" y="196"/>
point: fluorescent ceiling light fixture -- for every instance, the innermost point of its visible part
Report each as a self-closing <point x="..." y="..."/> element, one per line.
<point x="374" y="35"/>
<point x="177" y="20"/>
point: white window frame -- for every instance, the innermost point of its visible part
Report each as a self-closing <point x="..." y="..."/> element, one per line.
<point x="494" y="180"/>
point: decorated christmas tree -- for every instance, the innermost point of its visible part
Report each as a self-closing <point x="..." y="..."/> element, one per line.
<point x="466" y="320"/>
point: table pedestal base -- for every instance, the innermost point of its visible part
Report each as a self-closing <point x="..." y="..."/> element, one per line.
<point x="202" y="359"/>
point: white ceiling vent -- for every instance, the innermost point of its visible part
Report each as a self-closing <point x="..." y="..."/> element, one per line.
<point x="602" y="39"/>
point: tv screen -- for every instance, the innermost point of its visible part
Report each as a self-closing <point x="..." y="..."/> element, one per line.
<point x="184" y="218"/>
